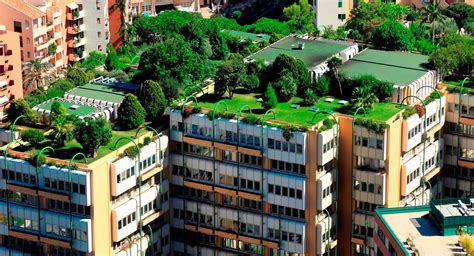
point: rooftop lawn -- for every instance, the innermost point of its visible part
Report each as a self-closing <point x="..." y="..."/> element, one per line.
<point x="83" y="110"/>
<point x="100" y="92"/>
<point x="314" y="53"/>
<point x="399" y="68"/>
<point x="286" y="114"/>
<point x="249" y="36"/>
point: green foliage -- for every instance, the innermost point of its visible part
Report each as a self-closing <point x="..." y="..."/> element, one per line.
<point x="431" y="13"/>
<point x="455" y="56"/>
<point x="251" y="82"/>
<point x="392" y="35"/>
<point x="287" y="132"/>
<point x="363" y="97"/>
<point x="17" y="108"/>
<point x="120" y="75"/>
<point x="173" y="58"/>
<point x="269" y="98"/>
<point x="381" y="89"/>
<point x="62" y="130"/>
<point x="321" y="87"/>
<point x="368" y="15"/>
<point x="328" y="123"/>
<point x="220" y="114"/>
<point x="309" y="97"/>
<point x="330" y="33"/>
<point x="231" y="75"/>
<point x="268" y="26"/>
<point x="299" y="71"/>
<point x="147" y="140"/>
<point x="424" y="46"/>
<point x="131" y="114"/>
<point x="432" y="97"/>
<point x="445" y="26"/>
<point x="92" y="134"/>
<point x="378" y="127"/>
<point x="275" y="37"/>
<point x="419" y="30"/>
<point x="460" y="12"/>
<point x="409" y="111"/>
<point x="78" y="75"/>
<point x="57" y="89"/>
<point x="285" y="85"/>
<point x="52" y="49"/>
<point x="300" y="16"/>
<point x="454" y="38"/>
<point x="218" y="44"/>
<point x="58" y="110"/>
<point x="197" y="110"/>
<point x="131" y="152"/>
<point x="112" y="61"/>
<point x="38" y="161"/>
<point x="152" y="99"/>
<point x="32" y="136"/>
<point x="251" y="119"/>
<point x="171" y="87"/>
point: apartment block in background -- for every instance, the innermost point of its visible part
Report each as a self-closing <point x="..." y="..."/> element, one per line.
<point x="11" y="86"/>
<point x="458" y="174"/>
<point x="332" y="13"/>
<point x="432" y="229"/>
<point x="245" y="189"/>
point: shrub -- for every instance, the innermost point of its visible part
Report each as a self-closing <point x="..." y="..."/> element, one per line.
<point x="409" y="111"/>
<point x="269" y="98"/>
<point x="38" y="161"/>
<point x="285" y="85"/>
<point x="19" y="107"/>
<point x="131" y="152"/>
<point x="92" y="134"/>
<point x="392" y="35"/>
<point x="147" y="140"/>
<point x="197" y="110"/>
<point x="287" y="132"/>
<point x="309" y="97"/>
<point x="251" y="119"/>
<point x="378" y="127"/>
<point x="32" y="136"/>
<point x="321" y="87"/>
<point x="152" y="98"/>
<point x="424" y="46"/>
<point x="131" y="114"/>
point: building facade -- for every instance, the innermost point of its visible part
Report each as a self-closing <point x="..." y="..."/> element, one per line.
<point x="115" y="205"/>
<point x="10" y="68"/>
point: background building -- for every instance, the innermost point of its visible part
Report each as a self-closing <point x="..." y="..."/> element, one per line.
<point x="11" y="86"/>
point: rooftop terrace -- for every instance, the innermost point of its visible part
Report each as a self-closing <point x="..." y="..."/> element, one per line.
<point x="249" y="36"/>
<point x="72" y="108"/>
<point x="399" y="68"/>
<point x="100" y="92"/>
<point x="286" y="113"/>
<point x="314" y="53"/>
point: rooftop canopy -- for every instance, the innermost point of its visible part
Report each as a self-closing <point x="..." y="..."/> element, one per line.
<point x="312" y="54"/>
<point x="400" y="68"/>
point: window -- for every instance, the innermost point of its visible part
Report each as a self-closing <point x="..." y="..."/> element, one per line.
<point x="98" y="20"/>
<point x="99" y="34"/>
<point x="341" y="16"/>
<point x="27" y="24"/>
<point x="17" y="26"/>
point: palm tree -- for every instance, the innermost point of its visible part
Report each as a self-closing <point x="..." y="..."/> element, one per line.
<point x="62" y="130"/>
<point x="432" y="12"/>
<point x="36" y="75"/>
<point x="363" y="97"/>
<point x="333" y="64"/>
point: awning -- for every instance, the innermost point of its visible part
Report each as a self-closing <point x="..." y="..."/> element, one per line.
<point x="3" y="100"/>
<point x="72" y="6"/>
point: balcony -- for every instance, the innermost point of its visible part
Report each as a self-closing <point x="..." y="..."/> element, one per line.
<point x="73" y="57"/>
<point x="75" y="15"/>
<point x="76" y="29"/>
<point x="370" y="185"/>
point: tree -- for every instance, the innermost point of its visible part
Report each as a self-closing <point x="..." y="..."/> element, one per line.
<point x="62" y="130"/>
<point x="171" y="87"/>
<point x="298" y="69"/>
<point x="381" y="89"/>
<point x="268" y="26"/>
<point x="285" y="85"/>
<point x="321" y="87"/>
<point x="17" y="108"/>
<point x="112" y="61"/>
<point x="32" y="136"/>
<point x="36" y="75"/>
<point x="92" y="134"/>
<point x="173" y="58"/>
<point x="94" y="60"/>
<point x="218" y="44"/>
<point x="152" y="98"/>
<point x="432" y="13"/>
<point x="457" y="58"/>
<point x="300" y="15"/>
<point x="445" y="26"/>
<point x="461" y="13"/>
<point x="231" y="75"/>
<point x="309" y="97"/>
<point x="424" y="46"/>
<point x="250" y="82"/>
<point x="131" y="114"/>
<point x="392" y="35"/>
<point x="269" y="99"/>
<point x="333" y="64"/>
<point x="58" y="111"/>
<point x="363" y="97"/>
<point x="77" y="75"/>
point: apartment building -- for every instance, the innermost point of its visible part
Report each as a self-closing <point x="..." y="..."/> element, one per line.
<point x="88" y="28"/>
<point x="10" y="69"/>
<point x="114" y="205"/>
<point x="246" y="189"/>
<point x="332" y="13"/>
<point x="458" y="175"/>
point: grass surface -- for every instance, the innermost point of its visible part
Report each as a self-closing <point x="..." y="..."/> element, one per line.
<point x="396" y="67"/>
<point x="314" y="52"/>
<point x="83" y="110"/>
<point x="249" y="36"/>
<point x="100" y="92"/>
<point x="284" y="113"/>
<point x="454" y="84"/>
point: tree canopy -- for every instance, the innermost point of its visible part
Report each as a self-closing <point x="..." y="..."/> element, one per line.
<point x="92" y="134"/>
<point x="392" y="35"/>
<point x="462" y="13"/>
<point x="152" y="98"/>
<point x="131" y="114"/>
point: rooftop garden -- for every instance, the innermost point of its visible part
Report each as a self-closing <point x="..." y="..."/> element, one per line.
<point x="454" y="85"/>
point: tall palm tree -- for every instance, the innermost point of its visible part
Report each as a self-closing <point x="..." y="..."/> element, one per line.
<point x="36" y="75"/>
<point x="333" y="64"/>
<point x="432" y="12"/>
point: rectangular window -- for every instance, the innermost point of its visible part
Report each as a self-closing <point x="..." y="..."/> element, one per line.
<point x="17" y="26"/>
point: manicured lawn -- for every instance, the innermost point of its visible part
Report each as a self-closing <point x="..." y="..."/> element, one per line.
<point x="284" y="113"/>
<point x="455" y="85"/>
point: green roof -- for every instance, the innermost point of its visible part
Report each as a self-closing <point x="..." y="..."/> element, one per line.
<point x="400" y="68"/>
<point x="100" y="92"/>
<point x="314" y="53"/>
<point x="82" y="110"/>
<point x="249" y="36"/>
<point x="302" y="116"/>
